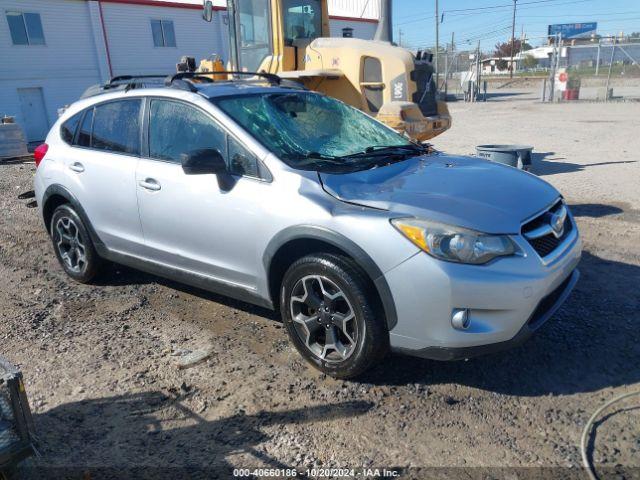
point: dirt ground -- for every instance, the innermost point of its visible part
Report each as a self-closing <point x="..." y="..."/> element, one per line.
<point x="108" y="400"/>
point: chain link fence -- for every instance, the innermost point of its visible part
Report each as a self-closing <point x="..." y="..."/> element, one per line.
<point x="606" y="69"/>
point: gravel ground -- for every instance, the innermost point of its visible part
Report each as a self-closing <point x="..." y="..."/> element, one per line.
<point x="100" y="362"/>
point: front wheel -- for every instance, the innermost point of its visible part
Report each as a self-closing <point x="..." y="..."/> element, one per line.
<point x="332" y="315"/>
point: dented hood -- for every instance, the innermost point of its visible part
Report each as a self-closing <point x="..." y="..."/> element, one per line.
<point x="462" y="191"/>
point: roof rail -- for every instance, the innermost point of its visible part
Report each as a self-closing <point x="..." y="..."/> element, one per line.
<point x="206" y="76"/>
<point x="128" y="80"/>
<point x="179" y="80"/>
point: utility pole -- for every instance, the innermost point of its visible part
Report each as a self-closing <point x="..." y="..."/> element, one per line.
<point x="437" y="45"/>
<point x="476" y="89"/>
<point x="613" y="53"/>
<point x="453" y="52"/>
<point x="513" y="40"/>
<point x="400" y="36"/>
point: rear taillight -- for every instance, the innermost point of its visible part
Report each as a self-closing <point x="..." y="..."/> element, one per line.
<point x="40" y="152"/>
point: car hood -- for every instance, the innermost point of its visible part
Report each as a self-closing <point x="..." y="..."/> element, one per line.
<point x="462" y="191"/>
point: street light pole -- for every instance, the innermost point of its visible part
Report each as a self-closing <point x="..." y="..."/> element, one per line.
<point x="513" y="40"/>
<point x="437" y="45"/>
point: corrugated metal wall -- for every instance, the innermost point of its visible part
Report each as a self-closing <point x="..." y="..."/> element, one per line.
<point x="341" y="8"/>
<point x="62" y="68"/>
<point x="128" y="29"/>
<point x="355" y="8"/>
<point x="75" y="57"/>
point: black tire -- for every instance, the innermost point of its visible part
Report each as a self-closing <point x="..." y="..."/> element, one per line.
<point x="368" y="326"/>
<point x="91" y="264"/>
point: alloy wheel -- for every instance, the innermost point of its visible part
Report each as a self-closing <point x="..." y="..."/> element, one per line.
<point x="324" y="318"/>
<point x="70" y="245"/>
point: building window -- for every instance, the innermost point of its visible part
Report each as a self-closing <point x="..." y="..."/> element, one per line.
<point x="163" y="33"/>
<point x="26" y="28"/>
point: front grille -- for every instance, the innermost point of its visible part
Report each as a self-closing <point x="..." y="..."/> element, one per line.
<point x="425" y="95"/>
<point x="546" y="244"/>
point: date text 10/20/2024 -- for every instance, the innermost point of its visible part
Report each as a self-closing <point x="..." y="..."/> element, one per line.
<point x="316" y="472"/>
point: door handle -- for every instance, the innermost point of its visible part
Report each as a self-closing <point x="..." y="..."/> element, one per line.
<point x="150" y="184"/>
<point x="76" y="167"/>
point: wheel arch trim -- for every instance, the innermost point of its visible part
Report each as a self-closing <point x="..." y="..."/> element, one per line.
<point x="337" y="240"/>
<point x="59" y="190"/>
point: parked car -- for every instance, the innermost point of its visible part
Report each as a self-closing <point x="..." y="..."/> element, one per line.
<point x="288" y="199"/>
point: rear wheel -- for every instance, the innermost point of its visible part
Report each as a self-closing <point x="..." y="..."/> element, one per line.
<point x="73" y="246"/>
<point x="332" y="316"/>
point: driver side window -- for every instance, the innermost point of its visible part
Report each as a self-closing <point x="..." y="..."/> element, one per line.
<point x="176" y="128"/>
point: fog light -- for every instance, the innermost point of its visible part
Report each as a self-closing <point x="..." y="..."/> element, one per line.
<point x="460" y="319"/>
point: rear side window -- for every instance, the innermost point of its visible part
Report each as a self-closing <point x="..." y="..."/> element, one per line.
<point x="84" y="135"/>
<point x="68" y="129"/>
<point x="176" y="128"/>
<point x="116" y="127"/>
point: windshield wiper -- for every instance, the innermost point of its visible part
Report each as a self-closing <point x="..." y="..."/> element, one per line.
<point x="306" y="158"/>
<point x="316" y="159"/>
<point x="381" y="150"/>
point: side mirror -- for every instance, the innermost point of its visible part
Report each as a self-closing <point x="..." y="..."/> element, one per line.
<point x="203" y="161"/>
<point x="207" y="10"/>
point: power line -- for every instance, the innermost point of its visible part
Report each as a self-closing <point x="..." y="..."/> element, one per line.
<point x="461" y="11"/>
<point x="447" y="12"/>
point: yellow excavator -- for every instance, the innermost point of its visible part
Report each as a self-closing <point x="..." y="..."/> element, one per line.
<point x="291" y="38"/>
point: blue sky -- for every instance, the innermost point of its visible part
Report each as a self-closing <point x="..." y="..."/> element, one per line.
<point x="491" y="25"/>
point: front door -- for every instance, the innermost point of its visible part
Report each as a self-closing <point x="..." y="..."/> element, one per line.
<point x="34" y="113"/>
<point x="203" y="224"/>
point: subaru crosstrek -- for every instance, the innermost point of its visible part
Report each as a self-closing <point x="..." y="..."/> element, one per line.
<point x="289" y="199"/>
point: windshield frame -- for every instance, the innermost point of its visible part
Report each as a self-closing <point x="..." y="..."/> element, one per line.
<point x="319" y="166"/>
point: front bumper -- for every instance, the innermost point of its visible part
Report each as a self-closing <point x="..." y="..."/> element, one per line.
<point x="545" y="310"/>
<point x="507" y="300"/>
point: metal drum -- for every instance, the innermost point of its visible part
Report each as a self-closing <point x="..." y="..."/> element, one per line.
<point x="518" y="156"/>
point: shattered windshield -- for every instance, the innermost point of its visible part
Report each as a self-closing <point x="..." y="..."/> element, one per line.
<point x="306" y="129"/>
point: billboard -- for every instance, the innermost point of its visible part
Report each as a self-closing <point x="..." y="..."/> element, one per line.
<point x="573" y="30"/>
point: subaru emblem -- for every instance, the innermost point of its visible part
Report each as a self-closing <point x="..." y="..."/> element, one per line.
<point x="557" y="222"/>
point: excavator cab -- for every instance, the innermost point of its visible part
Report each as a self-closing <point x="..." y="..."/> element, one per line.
<point x="291" y="38"/>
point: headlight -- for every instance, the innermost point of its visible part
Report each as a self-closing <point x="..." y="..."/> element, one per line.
<point x="454" y="244"/>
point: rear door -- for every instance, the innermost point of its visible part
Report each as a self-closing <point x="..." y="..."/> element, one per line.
<point x="102" y="166"/>
<point x="205" y="224"/>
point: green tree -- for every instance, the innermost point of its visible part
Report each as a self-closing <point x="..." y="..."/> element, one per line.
<point x="529" y="61"/>
<point x="504" y="49"/>
<point x="502" y="65"/>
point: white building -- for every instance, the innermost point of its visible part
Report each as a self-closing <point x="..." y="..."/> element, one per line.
<point x="52" y="50"/>
<point x="496" y="65"/>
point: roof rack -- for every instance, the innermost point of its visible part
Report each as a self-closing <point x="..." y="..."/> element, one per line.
<point x="182" y="80"/>
<point x="179" y="78"/>
<point x="128" y="80"/>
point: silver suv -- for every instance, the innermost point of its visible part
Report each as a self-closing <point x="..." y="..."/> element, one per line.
<point x="292" y="200"/>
